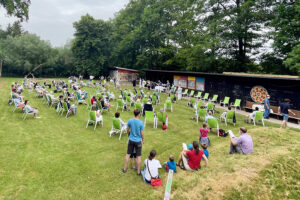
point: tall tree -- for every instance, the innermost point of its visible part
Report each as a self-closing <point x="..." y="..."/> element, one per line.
<point x="91" y="46"/>
<point x="286" y="24"/>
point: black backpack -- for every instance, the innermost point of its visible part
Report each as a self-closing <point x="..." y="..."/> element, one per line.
<point x="222" y="133"/>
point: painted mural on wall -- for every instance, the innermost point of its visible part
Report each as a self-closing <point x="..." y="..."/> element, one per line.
<point x="190" y="82"/>
<point x="258" y="94"/>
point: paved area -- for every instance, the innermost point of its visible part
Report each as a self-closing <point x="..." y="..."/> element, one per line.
<point x="272" y="120"/>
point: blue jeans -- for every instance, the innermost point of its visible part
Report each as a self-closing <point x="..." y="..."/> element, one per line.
<point x="143" y="175"/>
<point x="285" y="116"/>
<point x="266" y="113"/>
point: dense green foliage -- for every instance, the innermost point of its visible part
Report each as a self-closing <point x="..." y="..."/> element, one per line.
<point x="17" y="8"/>
<point x="208" y="35"/>
<point x="91" y="46"/>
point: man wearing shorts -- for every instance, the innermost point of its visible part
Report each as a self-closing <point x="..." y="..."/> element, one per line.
<point x="136" y="139"/>
<point x="285" y="109"/>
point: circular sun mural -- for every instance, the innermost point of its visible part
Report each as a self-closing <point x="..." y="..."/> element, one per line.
<point x="258" y="94"/>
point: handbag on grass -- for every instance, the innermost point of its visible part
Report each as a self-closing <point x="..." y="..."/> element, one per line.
<point x="155" y="182"/>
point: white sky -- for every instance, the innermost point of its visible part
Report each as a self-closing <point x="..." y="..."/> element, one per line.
<point x="52" y="20"/>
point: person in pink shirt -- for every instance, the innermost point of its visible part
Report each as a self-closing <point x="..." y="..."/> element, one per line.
<point x="203" y="137"/>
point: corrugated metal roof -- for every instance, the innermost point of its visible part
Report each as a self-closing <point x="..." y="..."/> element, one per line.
<point x="133" y="70"/>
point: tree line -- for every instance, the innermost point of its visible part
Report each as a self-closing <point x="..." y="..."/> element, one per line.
<point x="256" y="36"/>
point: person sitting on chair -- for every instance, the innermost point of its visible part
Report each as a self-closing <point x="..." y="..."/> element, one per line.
<point x="105" y="105"/>
<point x="30" y="109"/>
<point x="99" y="117"/>
<point x="252" y="115"/>
<point x="209" y="116"/>
<point x="123" y="124"/>
<point x="147" y="107"/>
<point x="72" y="108"/>
<point x="223" y="115"/>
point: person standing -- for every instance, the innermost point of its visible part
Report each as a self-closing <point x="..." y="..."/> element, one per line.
<point x="267" y="107"/>
<point x="284" y="109"/>
<point x="179" y="93"/>
<point x="135" y="129"/>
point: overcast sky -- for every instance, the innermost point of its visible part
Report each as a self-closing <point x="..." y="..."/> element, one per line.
<point x="53" y="19"/>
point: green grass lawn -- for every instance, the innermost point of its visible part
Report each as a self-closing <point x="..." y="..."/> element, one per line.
<point x="58" y="158"/>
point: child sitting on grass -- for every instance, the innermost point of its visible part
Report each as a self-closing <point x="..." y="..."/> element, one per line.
<point x="203" y="135"/>
<point x="205" y="151"/>
<point x="171" y="164"/>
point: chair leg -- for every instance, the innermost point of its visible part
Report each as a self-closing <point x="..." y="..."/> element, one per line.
<point x="87" y="123"/>
<point x="95" y="125"/>
<point x="121" y="134"/>
<point x="263" y="122"/>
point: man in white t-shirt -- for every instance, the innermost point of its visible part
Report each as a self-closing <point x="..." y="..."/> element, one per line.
<point x="151" y="167"/>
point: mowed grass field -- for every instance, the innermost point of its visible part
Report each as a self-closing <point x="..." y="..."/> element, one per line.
<point x="58" y="158"/>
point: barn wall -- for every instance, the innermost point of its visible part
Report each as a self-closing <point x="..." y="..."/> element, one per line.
<point x="240" y="87"/>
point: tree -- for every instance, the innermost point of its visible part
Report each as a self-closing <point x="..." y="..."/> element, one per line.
<point x="17" y="8"/>
<point x="286" y="26"/>
<point x="24" y="53"/>
<point x="293" y="60"/>
<point x="91" y="46"/>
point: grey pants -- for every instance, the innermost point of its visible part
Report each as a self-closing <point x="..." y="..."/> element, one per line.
<point x="235" y="149"/>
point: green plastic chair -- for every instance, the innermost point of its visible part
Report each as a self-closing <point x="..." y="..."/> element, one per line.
<point x="193" y="101"/>
<point x="120" y="104"/>
<point x="201" y="113"/>
<point x="100" y="107"/>
<point x="65" y="109"/>
<point x="215" y="98"/>
<point x="150" y="116"/>
<point x="205" y="97"/>
<point x="24" y="116"/>
<point x="172" y="97"/>
<point x="229" y="116"/>
<point x="168" y="105"/>
<point x="144" y="100"/>
<point x="128" y="101"/>
<point x="50" y="102"/>
<point x="93" y="119"/>
<point x="192" y="93"/>
<point x="213" y="123"/>
<point x="89" y="104"/>
<point x="236" y="104"/>
<point x="185" y="92"/>
<point x="199" y="95"/>
<point x="139" y="106"/>
<point x="210" y="106"/>
<point x="161" y="117"/>
<point x="116" y="127"/>
<point x="79" y="99"/>
<point x="225" y="101"/>
<point x="154" y="100"/>
<point x="259" y="116"/>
